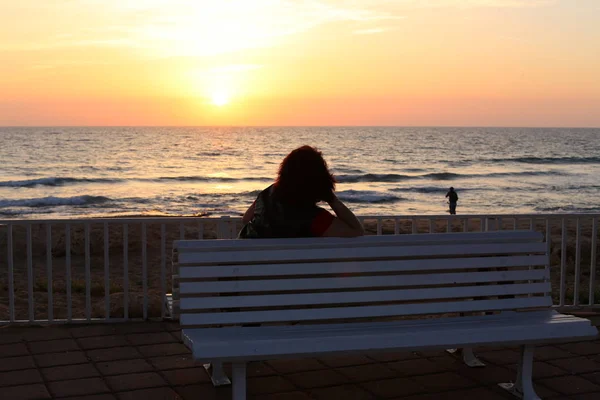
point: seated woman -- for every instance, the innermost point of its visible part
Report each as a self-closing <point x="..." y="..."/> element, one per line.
<point x="288" y="208"/>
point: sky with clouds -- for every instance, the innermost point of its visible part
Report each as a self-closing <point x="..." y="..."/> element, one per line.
<point x="293" y="62"/>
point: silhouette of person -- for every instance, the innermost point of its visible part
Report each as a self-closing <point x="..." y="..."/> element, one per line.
<point x="453" y="199"/>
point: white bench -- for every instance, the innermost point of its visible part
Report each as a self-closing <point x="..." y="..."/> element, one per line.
<point x="245" y="300"/>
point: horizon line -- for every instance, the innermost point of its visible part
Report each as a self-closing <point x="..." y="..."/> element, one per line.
<point x="302" y="126"/>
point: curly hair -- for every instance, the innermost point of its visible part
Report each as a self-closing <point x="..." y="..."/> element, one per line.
<point x="304" y="177"/>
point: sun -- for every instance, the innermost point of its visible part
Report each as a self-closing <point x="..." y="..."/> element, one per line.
<point x="220" y="98"/>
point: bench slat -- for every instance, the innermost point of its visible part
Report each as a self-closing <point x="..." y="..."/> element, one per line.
<point x="222" y="302"/>
<point x="323" y="268"/>
<point x="313" y="314"/>
<point x="265" y="285"/>
<point x="354" y="253"/>
<point x="519" y="236"/>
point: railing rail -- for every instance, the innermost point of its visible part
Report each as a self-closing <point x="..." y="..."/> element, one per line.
<point x="115" y="269"/>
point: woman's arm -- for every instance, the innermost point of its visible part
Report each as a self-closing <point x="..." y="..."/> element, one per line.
<point x="346" y="224"/>
<point x="249" y="214"/>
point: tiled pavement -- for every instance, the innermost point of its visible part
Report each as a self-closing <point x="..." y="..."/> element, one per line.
<point x="147" y="361"/>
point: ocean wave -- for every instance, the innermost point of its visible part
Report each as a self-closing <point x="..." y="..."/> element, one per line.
<point x="427" y="189"/>
<point x="52" y="201"/>
<point x="373" y="178"/>
<point x="568" y="209"/>
<point x="367" y="196"/>
<point x="547" y="160"/>
<point x="443" y="176"/>
<point x="437" y="176"/>
<point x="210" y="179"/>
<point x="55" y="181"/>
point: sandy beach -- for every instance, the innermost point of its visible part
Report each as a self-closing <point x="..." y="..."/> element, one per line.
<point x="135" y="273"/>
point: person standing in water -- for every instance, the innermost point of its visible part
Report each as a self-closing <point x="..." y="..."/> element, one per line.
<point x="453" y="199"/>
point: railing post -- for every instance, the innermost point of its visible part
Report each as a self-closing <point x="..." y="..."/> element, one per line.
<point x="563" y="262"/>
<point x="106" y="274"/>
<point x="593" y="260"/>
<point x="144" y="273"/>
<point x="125" y="272"/>
<point x="88" y="283"/>
<point x="11" y="269"/>
<point x="68" y="271"/>
<point x="577" y="263"/>
<point x="49" y="271"/>
<point x="30" y="274"/>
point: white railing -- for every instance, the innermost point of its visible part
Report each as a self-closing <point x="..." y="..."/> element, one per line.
<point x="115" y="269"/>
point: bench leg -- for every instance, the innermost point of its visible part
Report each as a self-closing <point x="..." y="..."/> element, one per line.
<point x="523" y="387"/>
<point x="216" y="373"/>
<point x="239" y="381"/>
<point x="468" y="356"/>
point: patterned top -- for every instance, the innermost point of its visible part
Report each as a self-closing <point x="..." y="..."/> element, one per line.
<point x="275" y="219"/>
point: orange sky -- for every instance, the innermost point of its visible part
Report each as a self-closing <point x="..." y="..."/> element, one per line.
<point x="322" y="62"/>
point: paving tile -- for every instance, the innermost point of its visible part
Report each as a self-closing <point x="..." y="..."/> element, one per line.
<point x="269" y="384"/>
<point x="541" y="370"/>
<point x="115" y="353"/>
<point x="144" y="380"/>
<point x="490" y="375"/>
<point x="286" y="366"/>
<point x="142" y="327"/>
<point x="25" y="392"/>
<point x="569" y="385"/>
<point x="443" y="382"/>
<point x="502" y="357"/>
<point x="254" y="369"/>
<point x="390" y="388"/>
<point x="93" y="330"/>
<point x="77" y="387"/>
<point x="315" y="379"/>
<point x="545" y="393"/>
<point x="346" y="361"/>
<point x="53" y="346"/>
<point x="546" y="353"/>
<point x="582" y="348"/>
<point x="188" y="376"/>
<point x="576" y="365"/>
<point x="470" y="394"/>
<point x="13" y="350"/>
<point x="105" y="396"/>
<point x="383" y="356"/>
<point x="204" y="392"/>
<point x="346" y="392"/>
<point x="139" y="339"/>
<point x="22" y="377"/>
<point x="171" y="326"/>
<point x="162" y="393"/>
<point x="362" y="373"/>
<point x="11" y="335"/>
<point x="420" y="366"/>
<point x="174" y="362"/>
<point x="282" y="396"/>
<point x="46" y="333"/>
<point x="594" y="377"/>
<point x="168" y="349"/>
<point x="16" y="363"/>
<point x="586" y="396"/>
<point x="65" y="358"/>
<point x="102" y="342"/>
<point x="66" y="372"/>
<point x="124" y="366"/>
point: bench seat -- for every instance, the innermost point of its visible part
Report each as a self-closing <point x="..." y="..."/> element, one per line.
<point x="274" y="342"/>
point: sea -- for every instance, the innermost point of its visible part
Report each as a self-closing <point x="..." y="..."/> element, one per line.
<point x="72" y="172"/>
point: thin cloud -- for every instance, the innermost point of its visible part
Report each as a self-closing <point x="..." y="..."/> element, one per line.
<point x="371" y="31"/>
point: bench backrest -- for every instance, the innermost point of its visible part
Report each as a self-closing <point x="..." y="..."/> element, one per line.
<point x="234" y="282"/>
